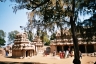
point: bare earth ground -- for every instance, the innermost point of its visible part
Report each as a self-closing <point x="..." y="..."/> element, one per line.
<point x="39" y="59"/>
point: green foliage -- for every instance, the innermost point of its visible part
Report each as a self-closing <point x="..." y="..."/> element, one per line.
<point x="54" y="11"/>
<point x="87" y="28"/>
<point x="53" y="36"/>
<point x="47" y="43"/>
<point x="2" y="0"/>
<point x="2" y="36"/>
<point x="28" y="30"/>
<point x="44" y="38"/>
<point x="11" y="36"/>
<point x="2" y="42"/>
<point x="30" y="35"/>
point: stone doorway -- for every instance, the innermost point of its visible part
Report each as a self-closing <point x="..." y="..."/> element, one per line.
<point x="65" y="47"/>
<point x="27" y="53"/>
<point x="90" y="48"/>
<point x="82" y="48"/>
<point x="59" y="48"/>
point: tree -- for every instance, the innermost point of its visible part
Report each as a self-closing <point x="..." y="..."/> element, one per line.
<point x="11" y="36"/>
<point x="45" y="38"/>
<point x="28" y="31"/>
<point x="54" y="12"/>
<point x="2" y="0"/>
<point x="87" y="29"/>
<point x="53" y="36"/>
<point x="2" y="36"/>
<point x="30" y="35"/>
<point x="2" y="42"/>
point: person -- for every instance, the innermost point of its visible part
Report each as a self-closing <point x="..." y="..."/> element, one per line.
<point x="63" y="53"/>
<point x="68" y="49"/>
<point x="54" y="53"/>
<point x="72" y="53"/>
<point x="67" y="54"/>
<point x="80" y="54"/>
<point x="7" y="52"/>
<point x="44" y="53"/>
<point x="60" y="54"/>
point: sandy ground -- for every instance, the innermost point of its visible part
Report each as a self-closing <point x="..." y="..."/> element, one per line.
<point x="49" y="60"/>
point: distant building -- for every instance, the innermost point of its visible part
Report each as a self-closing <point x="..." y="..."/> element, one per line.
<point x="63" y="44"/>
<point x="22" y="47"/>
<point x="39" y="44"/>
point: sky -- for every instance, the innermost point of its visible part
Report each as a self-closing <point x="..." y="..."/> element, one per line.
<point x="10" y="21"/>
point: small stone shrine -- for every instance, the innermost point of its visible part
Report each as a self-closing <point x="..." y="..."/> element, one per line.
<point x="22" y="47"/>
<point x="39" y="44"/>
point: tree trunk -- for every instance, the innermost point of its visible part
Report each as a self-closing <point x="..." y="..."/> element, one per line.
<point x="75" y="42"/>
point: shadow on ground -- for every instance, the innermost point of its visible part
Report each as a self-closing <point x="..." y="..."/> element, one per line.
<point x="11" y="57"/>
<point x="20" y="63"/>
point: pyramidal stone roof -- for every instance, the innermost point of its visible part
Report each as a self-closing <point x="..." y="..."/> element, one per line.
<point x="21" y="41"/>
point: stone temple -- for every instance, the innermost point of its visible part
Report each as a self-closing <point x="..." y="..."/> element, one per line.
<point x="62" y="44"/>
<point x="22" y="47"/>
<point x="39" y="46"/>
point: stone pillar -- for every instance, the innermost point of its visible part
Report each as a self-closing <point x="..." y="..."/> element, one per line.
<point x="30" y="53"/>
<point x="24" y="53"/>
<point x="62" y="48"/>
<point x="33" y="52"/>
<point x="15" y="53"/>
<point x="94" y="47"/>
<point x="85" y="48"/>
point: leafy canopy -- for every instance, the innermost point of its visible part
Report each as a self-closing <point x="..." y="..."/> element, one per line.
<point x="11" y="36"/>
<point x="2" y="36"/>
<point x="52" y="12"/>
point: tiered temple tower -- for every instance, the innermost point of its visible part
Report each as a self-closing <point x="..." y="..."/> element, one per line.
<point x="39" y="44"/>
<point x="22" y="46"/>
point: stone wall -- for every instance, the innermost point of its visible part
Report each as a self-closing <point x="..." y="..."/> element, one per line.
<point x="52" y="47"/>
<point x="2" y="51"/>
<point x="16" y="53"/>
<point x="95" y="48"/>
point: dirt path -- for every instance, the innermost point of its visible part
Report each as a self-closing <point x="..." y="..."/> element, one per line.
<point x="49" y="60"/>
